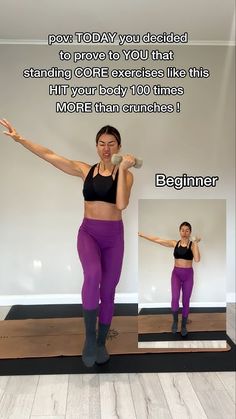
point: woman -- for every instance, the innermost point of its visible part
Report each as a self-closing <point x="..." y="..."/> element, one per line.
<point x="100" y="238"/>
<point x="185" y="251"/>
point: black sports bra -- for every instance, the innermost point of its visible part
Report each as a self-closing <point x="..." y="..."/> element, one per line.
<point x="100" y="188"/>
<point x="183" y="252"/>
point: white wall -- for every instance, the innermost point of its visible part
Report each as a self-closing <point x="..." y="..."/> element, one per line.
<point x="162" y="218"/>
<point x="42" y="208"/>
<point x="133" y="17"/>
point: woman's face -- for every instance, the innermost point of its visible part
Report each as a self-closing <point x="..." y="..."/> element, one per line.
<point x="107" y="145"/>
<point x="185" y="232"/>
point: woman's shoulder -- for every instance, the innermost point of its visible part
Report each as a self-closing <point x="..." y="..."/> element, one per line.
<point x="85" y="168"/>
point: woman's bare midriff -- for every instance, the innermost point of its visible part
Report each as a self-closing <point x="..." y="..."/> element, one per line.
<point x="183" y="263"/>
<point x="99" y="210"/>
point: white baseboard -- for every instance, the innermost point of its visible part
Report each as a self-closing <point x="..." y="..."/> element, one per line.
<point x="10" y="300"/>
<point x="231" y="297"/>
<point x="121" y="298"/>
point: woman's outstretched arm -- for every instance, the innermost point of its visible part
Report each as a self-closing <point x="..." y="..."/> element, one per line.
<point x="162" y="242"/>
<point x="71" y="167"/>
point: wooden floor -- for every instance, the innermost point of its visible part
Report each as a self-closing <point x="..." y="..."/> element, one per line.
<point x="106" y="396"/>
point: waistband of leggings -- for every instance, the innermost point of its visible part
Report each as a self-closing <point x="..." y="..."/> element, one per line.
<point x="93" y="221"/>
<point x="182" y="269"/>
<point x="104" y="225"/>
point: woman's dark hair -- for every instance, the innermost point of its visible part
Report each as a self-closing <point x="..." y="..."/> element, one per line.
<point x="185" y="224"/>
<point x="109" y="130"/>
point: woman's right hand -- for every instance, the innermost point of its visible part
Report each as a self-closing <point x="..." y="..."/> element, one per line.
<point x="11" y="130"/>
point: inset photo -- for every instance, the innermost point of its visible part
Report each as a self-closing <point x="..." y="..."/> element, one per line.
<point x="182" y="274"/>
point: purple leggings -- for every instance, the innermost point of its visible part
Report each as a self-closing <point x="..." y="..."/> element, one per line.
<point x="181" y="278"/>
<point x="100" y="247"/>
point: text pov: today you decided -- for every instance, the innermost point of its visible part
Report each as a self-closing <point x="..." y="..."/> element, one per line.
<point x="114" y="37"/>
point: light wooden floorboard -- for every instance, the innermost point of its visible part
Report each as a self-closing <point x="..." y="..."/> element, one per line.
<point x="51" y="396"/>
<point x="148" y="396"/>
<point x="18" y="397"/>
<point x="47" y="417"/>
<point x="105" y="396"/>
<point x="3" y="311"/>
<point x="228" y="378"/>
<point x="181" y="397"/>
<point x="116" y="397"/>
<point x="3" y="384"/>
<point x="83" y="399"/>
<point x="213" y="396"/>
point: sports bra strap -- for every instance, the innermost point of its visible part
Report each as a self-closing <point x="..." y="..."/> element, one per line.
<point x="99" y="168"/>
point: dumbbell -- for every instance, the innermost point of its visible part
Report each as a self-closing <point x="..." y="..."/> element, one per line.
<point x="195" y="239"/>
<point x="117" y="159"/>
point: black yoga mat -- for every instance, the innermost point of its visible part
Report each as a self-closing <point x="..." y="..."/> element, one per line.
<point x="20" y="312"/>
<point x="164" y="362"/>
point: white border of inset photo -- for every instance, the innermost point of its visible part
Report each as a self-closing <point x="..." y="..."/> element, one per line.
<point x="162" y="218"/>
